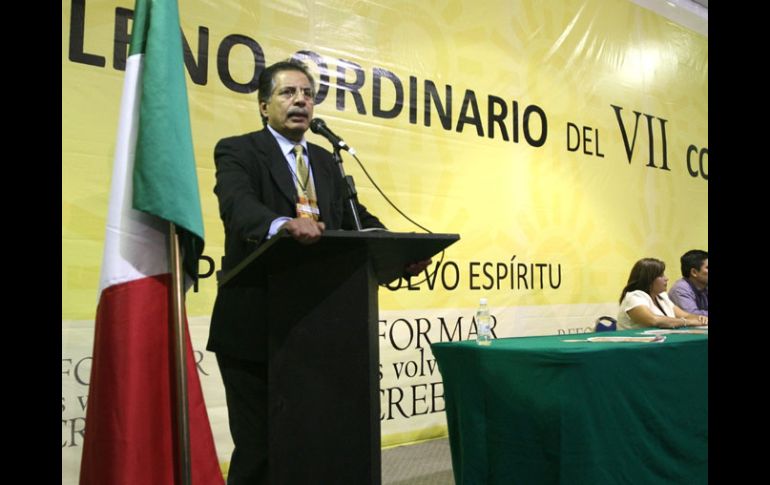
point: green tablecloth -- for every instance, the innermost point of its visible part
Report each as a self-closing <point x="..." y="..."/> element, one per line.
<point x="538" y="410"/>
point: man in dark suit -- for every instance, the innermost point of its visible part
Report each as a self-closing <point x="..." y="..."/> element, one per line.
<point x="267" y="181"/>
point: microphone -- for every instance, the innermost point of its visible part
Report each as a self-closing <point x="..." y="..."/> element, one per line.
<point x="318" y="126"/>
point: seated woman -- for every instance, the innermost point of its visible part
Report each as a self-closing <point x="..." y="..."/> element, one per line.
<point x="645" y="303"/>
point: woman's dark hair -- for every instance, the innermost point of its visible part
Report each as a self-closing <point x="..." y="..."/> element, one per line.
<point x="643" y="274"/>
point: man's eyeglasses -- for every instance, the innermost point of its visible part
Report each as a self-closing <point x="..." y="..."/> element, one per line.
<point x="289" y="92"/>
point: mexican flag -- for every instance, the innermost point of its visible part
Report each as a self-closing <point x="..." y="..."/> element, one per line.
<point x="131" y="430"/>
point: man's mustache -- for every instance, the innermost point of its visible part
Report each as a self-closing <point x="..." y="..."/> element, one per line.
<point x="297" y="111"/>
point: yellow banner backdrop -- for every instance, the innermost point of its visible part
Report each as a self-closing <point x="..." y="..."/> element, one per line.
<point x="563" y="140"/>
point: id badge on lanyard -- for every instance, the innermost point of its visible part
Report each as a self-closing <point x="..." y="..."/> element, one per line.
<point x="307" y="208"/>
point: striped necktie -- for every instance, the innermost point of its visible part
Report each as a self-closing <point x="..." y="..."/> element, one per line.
<point x="307" y="205"/>
<point x="303" y="174"/>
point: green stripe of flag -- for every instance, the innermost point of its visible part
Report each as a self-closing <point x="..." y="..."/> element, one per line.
<point x="165" y="180"/>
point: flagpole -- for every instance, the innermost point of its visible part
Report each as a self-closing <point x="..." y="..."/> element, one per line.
<point x="178" y="331"/>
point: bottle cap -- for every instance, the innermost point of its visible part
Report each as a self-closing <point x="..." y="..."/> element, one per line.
<point x="482" y="301"/>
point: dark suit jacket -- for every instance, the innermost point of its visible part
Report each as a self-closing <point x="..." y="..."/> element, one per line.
<point x="254" y="187"/>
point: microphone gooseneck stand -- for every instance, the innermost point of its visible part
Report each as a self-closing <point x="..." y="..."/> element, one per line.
<point x="350" y="187"/>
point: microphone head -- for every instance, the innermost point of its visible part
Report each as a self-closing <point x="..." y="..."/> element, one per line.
<point x="316" y="124"/>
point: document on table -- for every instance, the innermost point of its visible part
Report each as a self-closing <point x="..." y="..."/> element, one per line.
<point x="652" y="338"/>
<point x="666" y="331"/>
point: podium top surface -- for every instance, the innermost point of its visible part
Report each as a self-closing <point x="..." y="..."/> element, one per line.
<point x="389" y="252"/>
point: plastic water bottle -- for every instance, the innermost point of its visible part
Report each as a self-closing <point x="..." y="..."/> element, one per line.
<point x="483" y="324"/>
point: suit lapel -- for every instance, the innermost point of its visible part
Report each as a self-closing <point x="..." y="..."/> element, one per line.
<point x="276" y="163"/>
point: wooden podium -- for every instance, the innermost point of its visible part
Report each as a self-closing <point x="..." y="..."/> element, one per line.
<point x="323" y="350"/>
